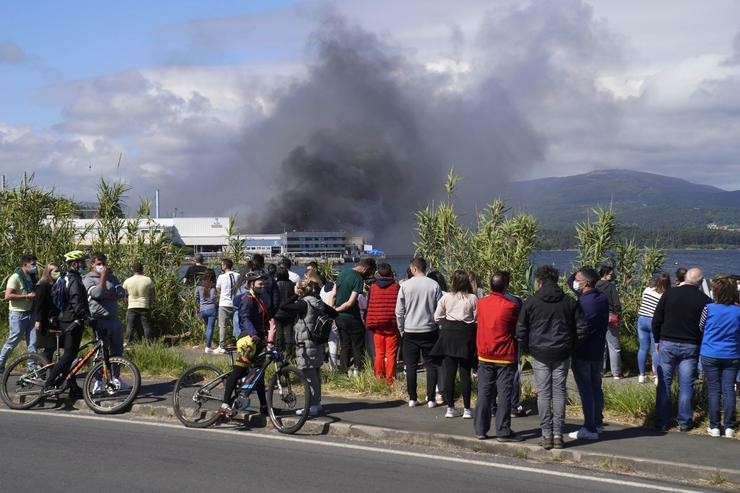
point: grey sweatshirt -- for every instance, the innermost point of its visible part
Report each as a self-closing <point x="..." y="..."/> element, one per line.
<point x="417" y="300"/>
<point x="101" y="307"/>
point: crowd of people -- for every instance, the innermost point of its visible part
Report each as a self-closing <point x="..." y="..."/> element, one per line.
<point x="454" y="333"/>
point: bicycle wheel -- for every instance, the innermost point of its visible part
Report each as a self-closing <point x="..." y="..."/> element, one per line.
<point x="288" y="399"/>
<point x="23" y="381"/>
<point x="198" y="396"/>
<point x="111" y="390"/>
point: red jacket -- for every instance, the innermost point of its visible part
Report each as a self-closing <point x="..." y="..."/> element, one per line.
<point x="496" y="340"/>
<point x="381" y="305"/>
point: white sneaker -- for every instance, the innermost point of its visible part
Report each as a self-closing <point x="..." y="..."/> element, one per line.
<point x="617" y="377"/>
<point x="439" y="399"/>
<point x="208" y="350"/>
<point x="452" y="413"/>
<point x="583" y="434"/>
<point x="121" y="384"/>
<point x="729" y="433"/>
<point x="641" y="379"/>
<point x="467" y="413"/>
<point x="714" y="432"/>
<point x="219" y="350"/>
<point x="97" y="386"/>
<point x="431" y="404"/>
<point x="413" y="403"/>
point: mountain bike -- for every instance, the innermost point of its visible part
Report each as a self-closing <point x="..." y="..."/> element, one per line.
<point x="110" y="386"/>
<point x="200" y="390"/>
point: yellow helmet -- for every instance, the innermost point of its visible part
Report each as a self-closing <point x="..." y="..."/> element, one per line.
<point x="74" y="255"/>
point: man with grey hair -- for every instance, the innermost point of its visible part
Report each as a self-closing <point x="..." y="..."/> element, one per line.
<point x="677" y="340"/>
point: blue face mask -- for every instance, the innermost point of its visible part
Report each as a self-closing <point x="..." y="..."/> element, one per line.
<point x="33" y="269"/>
<point x="81" y="269"/>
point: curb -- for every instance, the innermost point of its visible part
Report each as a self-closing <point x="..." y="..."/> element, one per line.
<point x="607" y="462"/>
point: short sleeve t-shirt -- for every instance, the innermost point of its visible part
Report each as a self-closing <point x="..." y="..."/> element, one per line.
<point x="348" y="282"/>
<point x="15" y="283"/>
<point x="227" y="284"/>
<point x="139" y="290"/>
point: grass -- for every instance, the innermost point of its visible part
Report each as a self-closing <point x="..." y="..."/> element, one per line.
<point x="154" y="358"/>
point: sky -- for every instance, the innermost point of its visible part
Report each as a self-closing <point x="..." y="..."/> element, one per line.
<point x="250" y="107"/>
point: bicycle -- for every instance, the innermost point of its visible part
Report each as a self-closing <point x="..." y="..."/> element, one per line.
<point x="199" y="392"/>
<point x="110" y="386"/>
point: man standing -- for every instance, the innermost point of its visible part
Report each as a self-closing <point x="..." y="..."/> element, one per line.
<point x="103" y="292"/>
<point x="195" y="272"/>
<point x="140" y="289"/>
<point x="497" y="354"/>
<point x="550" y="325"/>
<point x="19" y="292"/>
<point x="226" y="286"/>
<point x="587" y="360"/>
<point x="349" y="284"/>
<point x="677" y="340"/>
<point x="72" y="322"/>
<point x="295" y="278"/>
<point x="417" y="301"/>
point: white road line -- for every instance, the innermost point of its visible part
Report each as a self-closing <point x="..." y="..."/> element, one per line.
<point x="416" y="455"/>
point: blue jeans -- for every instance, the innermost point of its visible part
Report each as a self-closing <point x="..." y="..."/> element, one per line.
<point x="588" y="375"/>
<point x="550" y="380"/>
<point x="209" y="317"/>
<point x="21" y="323"/>
<point x="645" y="334"/>
<point x="684" y="357"/>
<point x="720" y="377"/>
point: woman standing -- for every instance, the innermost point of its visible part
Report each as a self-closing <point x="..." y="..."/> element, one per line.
<point x="614" y="347"/>
<point x="456" y="314"/>
<point x="45" y="311"/>
<point x="650" y="298"/>
<point x="207" y="299"/>
<point x="720" y="353"/>
<point x="309" y="355"/>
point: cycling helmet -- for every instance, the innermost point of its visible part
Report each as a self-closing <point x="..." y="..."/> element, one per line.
<point x="74" y="255"/>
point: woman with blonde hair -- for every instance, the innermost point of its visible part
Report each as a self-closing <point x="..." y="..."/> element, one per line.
<point x="650" y="298"/>
<point x="45" y="311"/>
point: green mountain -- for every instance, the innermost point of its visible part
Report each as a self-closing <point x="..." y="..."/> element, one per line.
<point x="647" y="204"/>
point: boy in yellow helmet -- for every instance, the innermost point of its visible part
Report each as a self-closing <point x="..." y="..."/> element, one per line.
<point x="250" y="352"/>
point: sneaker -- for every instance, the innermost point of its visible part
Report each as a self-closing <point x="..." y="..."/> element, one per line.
<point x="557" y="442"/>
<point x="439" y="399"/>
<point x="219" y="350"/>
<point x="314" y="410"/>
<point x="714" y="432"/>
<point x="511" y="437"/>
<point x="600" y="429"/>
<point x="121" y="384"/>
<point x="467" y="413"/>
<point x="413" y="403"/>
<point x="431" y="404"/>
<point x="208" y="350"/>
<point x="729" y="433"/>
<point x="481" y="437"/>
<point x="583" y="434"/>
<point x="641" y="379"/>
<point x="617" y="377"/>
<point x="97" y="386"/>
<point x="546" y="442"/>
<point x="452" y="413"/>
<point x="226" y="410"/>
<point x="519" y="412"/>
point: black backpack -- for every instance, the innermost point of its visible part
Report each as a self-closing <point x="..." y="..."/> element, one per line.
<point x="58" y="296"/>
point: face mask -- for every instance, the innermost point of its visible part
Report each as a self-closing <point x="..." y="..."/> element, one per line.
<point x="257" y="290"/>
<point x="81" y="269"/>
<point x="99" y="268"/>
<point x="576" y="286"/>
<point x="56" y="275"/>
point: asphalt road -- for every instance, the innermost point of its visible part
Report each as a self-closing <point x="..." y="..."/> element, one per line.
<point x="43" y="451"/>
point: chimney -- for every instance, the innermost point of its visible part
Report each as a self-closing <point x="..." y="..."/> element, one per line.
<point x="156" y="204"/>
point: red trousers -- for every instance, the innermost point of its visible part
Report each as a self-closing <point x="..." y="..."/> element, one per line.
<point x="386" y="347"/>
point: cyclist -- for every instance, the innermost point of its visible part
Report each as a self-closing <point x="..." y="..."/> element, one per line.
<point x="250" y="353"/>
<point x="72" y="322"/>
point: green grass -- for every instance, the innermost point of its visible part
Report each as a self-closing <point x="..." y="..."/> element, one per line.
<point x="154" y="358"/>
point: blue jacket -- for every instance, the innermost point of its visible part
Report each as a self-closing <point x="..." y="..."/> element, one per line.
<point x="252" y="319"/>
<point x="595" y="306"/>
<point x="721" y="337"/>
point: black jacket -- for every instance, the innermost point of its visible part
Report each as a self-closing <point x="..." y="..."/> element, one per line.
<point x="551" y="324"/>
<point x="678" y="313"/>
<point x="75" y="300"/>
<point x="286" y="294"/>
<point x="44" y="309"/>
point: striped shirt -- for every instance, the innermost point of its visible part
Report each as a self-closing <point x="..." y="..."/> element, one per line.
<point x="650" y="299"/>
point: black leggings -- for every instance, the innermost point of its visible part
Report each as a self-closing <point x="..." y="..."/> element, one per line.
<point x="238" y="372"/>
<point x="450" y="366"/>
<point x="72" y="339"/>
<point x="285" y="337"/>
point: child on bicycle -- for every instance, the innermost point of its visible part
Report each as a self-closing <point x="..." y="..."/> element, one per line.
<point x="250" y="352"/>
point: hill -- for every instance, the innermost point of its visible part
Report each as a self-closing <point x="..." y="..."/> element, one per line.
<point x="647" y="204"/>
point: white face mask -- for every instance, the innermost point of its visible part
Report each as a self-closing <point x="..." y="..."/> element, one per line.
<point x="99" y="268"/>
<point x="576" y="286"/>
